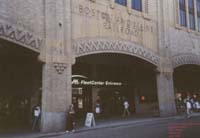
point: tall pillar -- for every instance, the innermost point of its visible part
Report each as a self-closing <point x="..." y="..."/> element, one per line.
<point x="166" y="98"/>
<point x="165" y="87"/>
<point x="95" y="89"/>
<point x="136" y="99"/>
<point x="56" y="96"/>
<point x="56" y="54"/>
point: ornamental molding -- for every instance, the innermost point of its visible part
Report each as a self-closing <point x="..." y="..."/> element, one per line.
<point x="185" y="59"/>
<point x="85" y="47"/>
<point x="11" y="32"/>
<point x="59" y="67"/>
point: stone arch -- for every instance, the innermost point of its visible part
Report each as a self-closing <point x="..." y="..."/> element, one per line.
<point x="185" y="59"/>
<point x="20" y="36"/>
<point x="94" y="46"/>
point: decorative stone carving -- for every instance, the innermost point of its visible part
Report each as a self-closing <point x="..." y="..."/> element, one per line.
<point x="20" y="36"/>
<point x="60" y="67"/>
<point x="86" y="47"/>
<point x="184" y="59"/>
<point x="168" y="75"/>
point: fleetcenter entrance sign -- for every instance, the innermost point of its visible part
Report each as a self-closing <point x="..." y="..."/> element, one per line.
<point x="81" y="80"/>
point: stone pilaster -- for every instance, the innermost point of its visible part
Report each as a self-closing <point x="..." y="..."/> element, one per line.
<point x="129" y="9"/>
<point x="56" y="55"/>
<point x="165" y="86"/>
<point x="136" y="100"/>
<point x="56" y="96"/>
<point x="165" y="90"/>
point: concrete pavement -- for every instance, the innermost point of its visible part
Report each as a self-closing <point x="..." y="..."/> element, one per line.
<point x="99" y="124"/>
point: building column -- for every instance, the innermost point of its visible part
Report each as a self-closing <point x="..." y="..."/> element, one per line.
<point x="137" y="100"/>
<point x="166" y="97"/>
<point x="56" y="96"/>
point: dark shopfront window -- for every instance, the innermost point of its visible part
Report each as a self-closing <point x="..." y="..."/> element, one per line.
<point x="122" y="2"/>
<point x="182" y="13"/>
<point x="191" y="14"/>
<point x="82" y="100"/>
<point x="14" y="111"/>
<point x="136" y="4"/>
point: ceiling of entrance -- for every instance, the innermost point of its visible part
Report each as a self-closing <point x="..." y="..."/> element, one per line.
<point x="114" y="59"/>
<point x="12" y="51"/>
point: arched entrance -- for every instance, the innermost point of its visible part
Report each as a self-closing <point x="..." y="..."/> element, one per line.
<point x="20" y="85"/>
<point x="112" y="78"/>
<point x="129" y="64"/>
<point x="186" y="82"/>
<point x="186" y="78"/>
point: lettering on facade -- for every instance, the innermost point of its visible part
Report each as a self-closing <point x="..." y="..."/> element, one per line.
<point x="116" y="23"/>
<point x="25" y="38"/>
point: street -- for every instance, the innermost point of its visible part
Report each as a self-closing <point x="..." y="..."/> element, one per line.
<point x="181" y="128"/>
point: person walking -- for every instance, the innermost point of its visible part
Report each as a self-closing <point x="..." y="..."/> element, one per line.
<point x="188" y="107"/>
<point x="70" y="119"/>
<point x="126" y="109"/>
<point x="36" y="113"/>
<point x="98" y="109"/>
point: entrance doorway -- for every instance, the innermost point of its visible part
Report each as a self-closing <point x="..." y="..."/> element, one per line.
<point x="112" y="78"/>
<point x="186" y="83"/>
<point x="20" y="86"/>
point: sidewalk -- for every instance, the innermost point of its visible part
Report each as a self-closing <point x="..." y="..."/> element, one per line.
<point x="99" y="124"/>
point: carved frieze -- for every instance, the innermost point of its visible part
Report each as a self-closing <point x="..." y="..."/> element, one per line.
<point x="20" y="36"/>
<point x="184" y="59"/>
<point x="86" y="47"/>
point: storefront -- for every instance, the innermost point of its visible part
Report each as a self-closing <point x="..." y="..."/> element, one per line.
<point x="86" y="92"/>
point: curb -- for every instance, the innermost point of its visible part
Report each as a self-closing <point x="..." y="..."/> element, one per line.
<point x="103" y="126"/>
<point x="112" y="125"/>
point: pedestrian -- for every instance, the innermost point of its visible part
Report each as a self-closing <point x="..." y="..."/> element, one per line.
<point x="36" y="114"/>
<point x="188" y="107"/>
<point x="126" y="109"/>
<point x="98" y="109"/>
<point x="70" y="119"/>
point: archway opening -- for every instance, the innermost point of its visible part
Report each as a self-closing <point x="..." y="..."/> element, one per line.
<point x="110" y="78"/>
<point x="20" y="85"/>
<point x="186" y="83"/>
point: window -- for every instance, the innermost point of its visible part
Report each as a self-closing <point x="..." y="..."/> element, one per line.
<point x="122" y="2"/>
<point x="198" y="14"/>
<point x="136" y="4"/>
<point x="191" y="14"/>
<point x="182" y="13"/>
